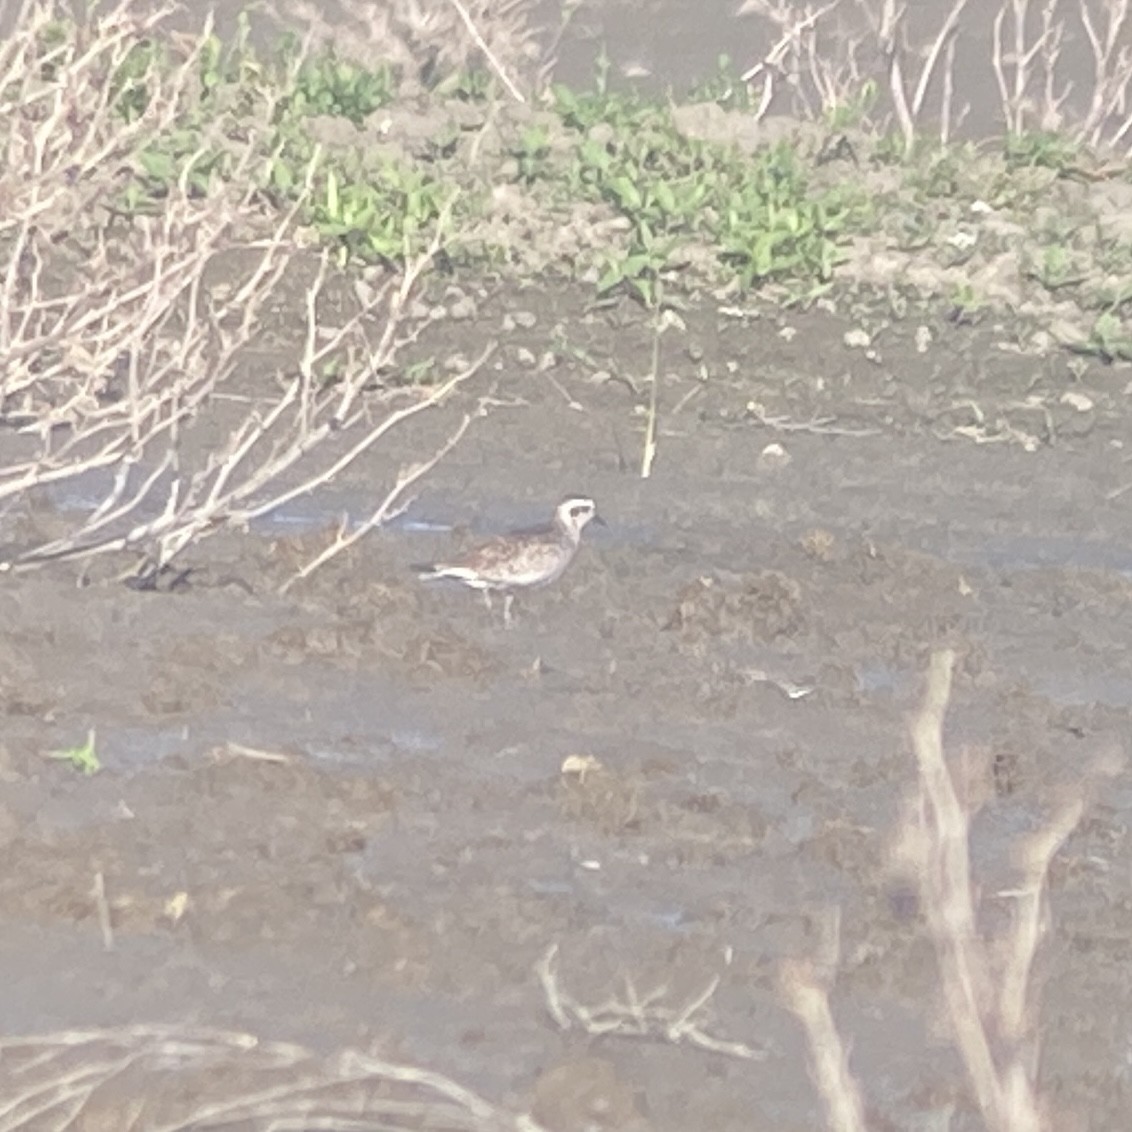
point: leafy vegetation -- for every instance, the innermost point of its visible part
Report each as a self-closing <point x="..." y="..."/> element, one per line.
<point x="684" y="211"/>
<point x="758" y="210"/>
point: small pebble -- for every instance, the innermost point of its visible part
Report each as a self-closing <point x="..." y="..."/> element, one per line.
<point x="1077" y="401"/>
<point x="773" y="456"/>
<point x="462" y="309"/>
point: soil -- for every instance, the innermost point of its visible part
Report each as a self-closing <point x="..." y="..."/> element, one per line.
<point x="339" y="816"/>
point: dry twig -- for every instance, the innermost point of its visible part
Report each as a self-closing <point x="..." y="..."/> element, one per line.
<point x="809" y="1000"/>
<point x="117" y="341"/>
<point x="489" y="55"/>
<point x="184" y="1079"/>
<point x="987" y="985"/>
<point x="637" y="1015"/>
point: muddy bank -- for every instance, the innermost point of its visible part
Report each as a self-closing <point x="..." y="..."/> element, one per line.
<point x="340" y="816"/>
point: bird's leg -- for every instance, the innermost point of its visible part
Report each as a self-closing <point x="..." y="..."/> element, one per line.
<point x="508" y="598"/>
<point x="487" y="599"/>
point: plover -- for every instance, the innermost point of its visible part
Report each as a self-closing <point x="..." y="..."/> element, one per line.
<point x="522" y="559"/>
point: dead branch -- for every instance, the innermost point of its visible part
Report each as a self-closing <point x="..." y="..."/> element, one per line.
<point x="637" y="1015"/>
<point x="196" y="1078"/>
<point x="118" y="339"/>
<point x="987" y="985"/>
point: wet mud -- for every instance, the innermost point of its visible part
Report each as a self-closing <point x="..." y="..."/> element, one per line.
<point x="363" y="812"/>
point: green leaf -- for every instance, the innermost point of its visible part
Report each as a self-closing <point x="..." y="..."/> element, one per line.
<point x="282" y="176"/>
<point x="610" y="279"/>
<point x="664" y="197"/>
<point x="627" y="194"/>
<point x="159" y="166"/>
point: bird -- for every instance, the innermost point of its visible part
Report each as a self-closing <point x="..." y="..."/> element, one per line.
<point x="521" y="559"/>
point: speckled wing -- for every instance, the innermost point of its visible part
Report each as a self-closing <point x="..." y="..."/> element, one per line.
<point x="520" y="562"/>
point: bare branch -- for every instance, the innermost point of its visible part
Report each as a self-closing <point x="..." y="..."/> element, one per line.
<point x="641" y="1016"/>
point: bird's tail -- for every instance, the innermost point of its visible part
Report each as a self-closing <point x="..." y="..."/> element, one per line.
<point x="430" y="572"/>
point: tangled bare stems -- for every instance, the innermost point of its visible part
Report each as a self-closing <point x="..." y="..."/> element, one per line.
<point x="177" y="1079"/>
<point x="987" y="984"/>
<point x="830" y="57"/>
<point x="121" y="325"/>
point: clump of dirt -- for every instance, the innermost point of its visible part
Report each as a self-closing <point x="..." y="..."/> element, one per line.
<point x="759" y="607"/>
<point x="447" y="655"/>
<point x="602" y="799"/>
<point x="586" y="1094"/>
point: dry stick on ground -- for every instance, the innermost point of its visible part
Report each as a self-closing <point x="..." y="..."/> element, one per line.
<point x="807" y="995"/>
<point x="987" y="990"/>
<point x="394" y="503"/>
<point x="1034" y="85"/>
<point x="817" y="426"/>
<point x="479" y="41"/>
<point x="446" y="39"/>
<point x="891" y="32"/>
<point x="52" y="177"/>
<point x="796" y="29"/>
<point x="805" y="986"/>
<point x="1109" y="120"/>
<point x="825" y="71"/>
<point x="1012" y="70"/>
<point x="648" y="452"/>
<point x="181" y="344"/>
<point x="106" y="368"/>
<point x="987" y="987"/>
<point x="182" y="368"/>
<point x="637" y="1016"/>
<point x="186" y="1079"/>
<point x="145" y="306"/>
<point x="102" y="910"/>
<point x="940" y="844"/>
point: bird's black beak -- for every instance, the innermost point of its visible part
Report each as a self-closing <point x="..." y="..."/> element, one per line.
<point x="599" y="521"/>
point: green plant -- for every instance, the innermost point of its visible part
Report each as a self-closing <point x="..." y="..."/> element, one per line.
<point x="938" y="173"/>
<point x="176" y="158"/>
<point x="467" y="86"/>
<point x="771" y="227"/>
<point x="532" y="153"/>
<point x="726" y="87"/>
<point x="1109" y="339"/>
<point x="1114" y="255"/>
<point x="965" y="306"/>
<point x="328" y="84"/>
<point x="855" y="110"/>
<point x="130" y="85"/>
<point x="1055" y="268"/>
<point x="384" y="215"/>
<point x="640" y="269"/>
<point x="232" y="64"/>
<point x="292" y="159"/>
<point x="1043" y="149"/>
<point x="84" y="758"/>
<point x="758" y="209"/>
<point x="420" y="372"/>
<point x="889" y="149"/>
<point x="581" y="110"/>
<point x="52" y="43"/>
